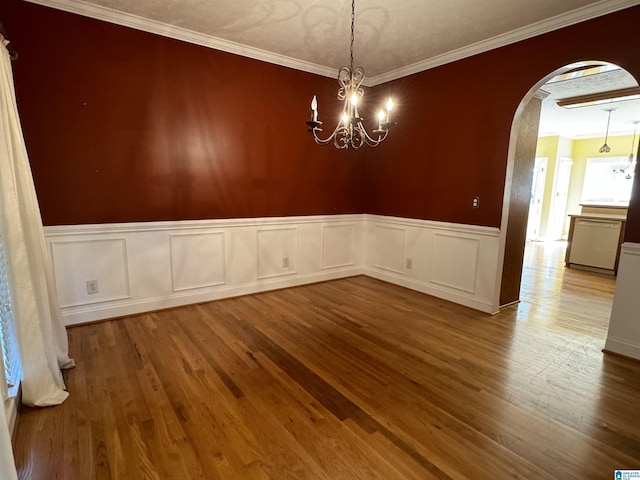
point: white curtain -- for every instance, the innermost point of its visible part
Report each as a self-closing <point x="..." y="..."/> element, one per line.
<point x="40" y="332"/>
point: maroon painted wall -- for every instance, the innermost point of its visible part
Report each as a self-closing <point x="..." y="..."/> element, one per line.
<point x="454" y="123"/>
<point x="123" y="125"/>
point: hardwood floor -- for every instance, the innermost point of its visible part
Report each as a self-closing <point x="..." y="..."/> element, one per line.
<point x="349" y="379"/>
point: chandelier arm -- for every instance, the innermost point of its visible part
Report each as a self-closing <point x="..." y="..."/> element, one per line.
<point x="325" y="141"/>
<point x="372" y="142"/>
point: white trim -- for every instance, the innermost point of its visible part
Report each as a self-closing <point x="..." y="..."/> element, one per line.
<point x="444" y="283"/>
<point x="11" y="403"/>
<point x="323" y="245"/>
<point x="177" y="225"/>
<point x="125" y="269"/>
<point x="403" y="255"/>
<point x="622" y="347"/>
<point x="629" y="248"/>
<point x="92" y="313"/>
<point x="470" y="301"/>
<point x="545" y="26"/>
<point x="152" y="26"/>
<point x="149" y="259"/>
<point x="418" y="245"/>
<point x="285" y="270"/>
<point x="623" y="336"/>
<point x="172" y="261"/>
<point x="434" y="225"/>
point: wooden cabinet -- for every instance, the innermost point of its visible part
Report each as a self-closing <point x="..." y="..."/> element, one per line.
<point x="594" y="242"/>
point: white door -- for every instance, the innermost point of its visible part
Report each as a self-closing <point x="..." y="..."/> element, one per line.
<point x="537" y="195"/>
<point x="558" y="211"/>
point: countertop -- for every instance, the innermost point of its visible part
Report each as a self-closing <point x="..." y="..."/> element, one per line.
<point x="599" y="216"/>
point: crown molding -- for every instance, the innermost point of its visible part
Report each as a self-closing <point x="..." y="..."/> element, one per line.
<point x="545" y="26"/>
<point x="152" y="26"/>
<point x="139" y="23"/>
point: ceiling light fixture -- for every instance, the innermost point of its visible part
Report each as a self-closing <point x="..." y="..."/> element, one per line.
<point x="350" y="132"/>
<point x="606" y="148"/>
<point x="631" y="166"/>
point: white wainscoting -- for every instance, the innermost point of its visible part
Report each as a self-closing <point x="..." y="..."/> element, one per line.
<point x="624" y="328"/>
<point x="148" y="266"/>
<point x="277" y="252"/>
<point x="451" y="261"/>
<point x="79" y="260"/>
<point x="339" y="245"/>
<point x="197" y="260"/>
<point x="142" y="267"/>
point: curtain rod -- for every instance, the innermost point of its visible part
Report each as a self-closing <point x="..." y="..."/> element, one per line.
<point x="13" y="54"/>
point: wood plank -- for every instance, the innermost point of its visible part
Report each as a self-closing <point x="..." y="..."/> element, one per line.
<point x="350" y="379"/>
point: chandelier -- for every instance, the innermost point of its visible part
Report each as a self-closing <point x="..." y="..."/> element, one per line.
<point x="350" y="132"/>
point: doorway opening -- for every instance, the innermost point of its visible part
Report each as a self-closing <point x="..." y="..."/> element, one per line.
<point x="569" y="140"/>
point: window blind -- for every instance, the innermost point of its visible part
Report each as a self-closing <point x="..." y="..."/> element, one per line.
<point x="7" y="333"/>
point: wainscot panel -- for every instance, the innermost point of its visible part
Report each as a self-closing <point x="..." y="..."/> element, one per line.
<point x="450" y="261"/>
<point x="624" y="329"/>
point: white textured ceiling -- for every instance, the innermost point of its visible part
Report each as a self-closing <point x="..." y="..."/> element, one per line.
<point x="393" y="38"/>
<point x="588" y="121"/>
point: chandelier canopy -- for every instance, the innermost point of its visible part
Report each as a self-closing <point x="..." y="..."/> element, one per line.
<point x="350" y="132"/>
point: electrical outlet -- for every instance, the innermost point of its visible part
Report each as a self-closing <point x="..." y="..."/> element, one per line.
<point x="285" y="262"/>
<point x="475" y="203"/>
<point x="92" y="286"/>
<point x="409" y="263"/>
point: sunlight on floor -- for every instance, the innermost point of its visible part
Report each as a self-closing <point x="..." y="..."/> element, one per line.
<point x="562" y="322"/>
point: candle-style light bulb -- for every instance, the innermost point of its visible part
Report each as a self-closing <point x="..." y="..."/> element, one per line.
<point x="381" y="116"/>
<point x="345" y="118"/>
<point x="354" y="99"/>
<point x="389" y="107"/>
<point x="314" y="109"/>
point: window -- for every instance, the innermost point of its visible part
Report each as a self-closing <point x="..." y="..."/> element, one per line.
<point x="607" y="181"/>
<point x="7" y="335"/>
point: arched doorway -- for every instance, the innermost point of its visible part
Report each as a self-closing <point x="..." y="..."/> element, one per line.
<point x="520" y="171"/>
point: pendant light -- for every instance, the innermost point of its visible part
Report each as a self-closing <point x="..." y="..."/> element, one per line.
<point x="606" y="148"/>
<point x="350" y="132"/>
<point x="631" y="166"/>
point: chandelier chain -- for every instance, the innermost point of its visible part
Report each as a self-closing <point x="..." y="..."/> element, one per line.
<point x="353" y="21"/>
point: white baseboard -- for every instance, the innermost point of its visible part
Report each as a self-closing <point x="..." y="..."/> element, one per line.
<point x="90" y="313"/>
<point x="622" y="347"/>
<point x="466" y="300"/>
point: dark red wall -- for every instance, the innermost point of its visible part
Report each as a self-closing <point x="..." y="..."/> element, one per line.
<point x="123" y="126"/>
<point x="455" y="121"/>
